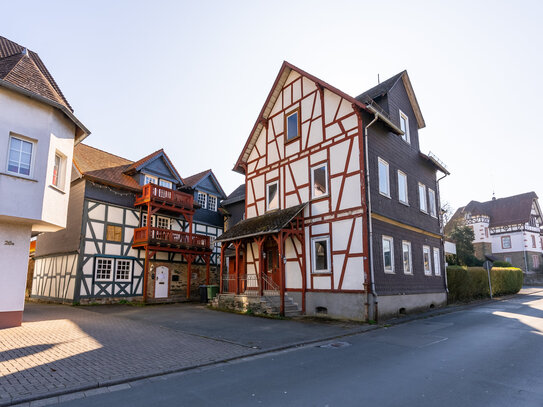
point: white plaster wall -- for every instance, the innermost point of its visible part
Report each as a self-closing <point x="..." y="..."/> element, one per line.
<point x="50" y="131"/>
<point x="479" y="232"/>
<point x="517" y="243"/>
<point x="13" y="265"/>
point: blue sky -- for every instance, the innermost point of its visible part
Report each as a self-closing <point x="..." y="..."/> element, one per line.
<point x="191" y="77"/>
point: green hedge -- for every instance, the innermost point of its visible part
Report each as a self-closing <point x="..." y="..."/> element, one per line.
<point x="467" y="283"/>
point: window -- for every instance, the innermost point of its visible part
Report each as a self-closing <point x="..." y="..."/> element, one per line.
<point x="486" y="232"/>
<point x="202" y="199"/>
<point x="535" y="261"/>
<point x="384" y="185"/>
<point x="406" y="254"/>
<point x="103" y="269"/>
<point x="211" y="203"/>
<point x="404" y="126"/>
<point x="272" y="196"/>
<point x="123" y="270"/>
<point x="59" y="171"/>
<point x="432" y="203"/>
<point x="149" y="179"/>
<point x="292" y="125"/>
<point x="426" y="260"/>
<point x="20" y="156"/>
<point x="388" y="254"/>
<point x="114" y="233"/>
<point x="144" y="220"/>
<point x="508" y="260"/>
<point x="422" y="198"/>
<point x="319" y="181"/>
<point x="437" y="262"/>
<point x="533" y="242"/>
<point x="506" y="242"/>
<point x="162" y="222"/>
<point x="165" y="184"/>
<point x="321" y="254"/>
<point x="402" y="188"/>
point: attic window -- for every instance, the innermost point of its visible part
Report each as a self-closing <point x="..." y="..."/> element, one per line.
<point x="404" y="126"/>
<point x="211" y="203"/>
<point x="292" y="125"/>
<point x="165" y="184"/>
<point x="149" y="179"/>
<point x="202" y="199"/>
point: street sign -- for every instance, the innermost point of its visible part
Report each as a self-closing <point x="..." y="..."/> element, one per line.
<point x="488" y="265"/>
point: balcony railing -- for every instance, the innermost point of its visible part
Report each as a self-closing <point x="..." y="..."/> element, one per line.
<point x="159" y="236"/>
<point x="152" y="192"/>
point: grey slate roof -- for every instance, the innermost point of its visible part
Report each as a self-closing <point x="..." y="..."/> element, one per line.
<point x="379" y="90"/>
<point x="236" y="196"/>
<point x="266" y="224"/>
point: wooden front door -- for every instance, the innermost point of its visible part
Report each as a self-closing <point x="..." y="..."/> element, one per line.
<point x="232" y="274"/>
<point x="272" y="263"/>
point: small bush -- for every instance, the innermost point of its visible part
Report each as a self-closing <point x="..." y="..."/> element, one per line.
<point x="468" y="283"/>
<point x="501" y="263"/>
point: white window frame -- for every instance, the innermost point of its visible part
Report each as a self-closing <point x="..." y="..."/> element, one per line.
<point x="406" y="137"/>
<point x="211" y="202"/>
<point x="268" y="185"/>
<point x="160" y="219"/>
<point x="117" y="263"/>
<point x="385" y="165"/>
<point x="111" y="269"/>
<point x="149" y="179"/>
<point x="326" y="192"/>
<point x="437" y="261"/>
<point x="165" y="183"/>
<point x="202" y="202"/>
<point x="32" y="156"/>
<point x="61" y="172"/>
<point x="422" y="198"/>
<point x="144" y="220"/>
<point x="403" y="175"/>
<point x="432" y="207"/>
<point x="427" y="271"/>
<point x="405" y="243"/>
<point x="314" y="255"/>
<point x="391" y="241"/>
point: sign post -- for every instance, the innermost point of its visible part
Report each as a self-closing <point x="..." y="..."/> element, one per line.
<point x="488" y="265"/>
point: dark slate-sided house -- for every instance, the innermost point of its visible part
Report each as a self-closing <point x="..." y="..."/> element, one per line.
<point x="234" y="207"/>
<point x="134" y="231"/>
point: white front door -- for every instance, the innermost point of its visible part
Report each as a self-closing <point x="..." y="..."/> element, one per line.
<point x="161" y="282"/>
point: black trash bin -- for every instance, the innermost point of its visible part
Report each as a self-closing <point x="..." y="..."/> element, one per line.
<point x="203" y="294"/>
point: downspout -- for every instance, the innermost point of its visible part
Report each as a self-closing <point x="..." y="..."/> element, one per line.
<point x="370" y="227"/>
<point x="441" y="228"/>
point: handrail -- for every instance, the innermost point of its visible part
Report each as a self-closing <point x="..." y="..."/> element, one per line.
<point x="158" y="193"/>
<point x="158" y="235"/>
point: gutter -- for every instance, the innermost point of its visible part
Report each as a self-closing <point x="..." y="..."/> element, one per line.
<point x="386" y="120"/>
<point x="83" y="131"/>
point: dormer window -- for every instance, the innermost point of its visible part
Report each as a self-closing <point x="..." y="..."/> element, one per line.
<point x="292" y="125"/>
<point x="404" y="126"/>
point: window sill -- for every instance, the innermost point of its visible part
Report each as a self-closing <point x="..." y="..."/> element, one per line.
<point x="389" y="272"/>
<point x="321" y="273"/>
<point x="425" y="212"/>
<point x="57" y="189"/>
<point x="19" y="176"/>
<point x="385" y="195"/>
<point x="292" y="140"/>
<point x="404" y="203"/>
<point x="320" y="198"/>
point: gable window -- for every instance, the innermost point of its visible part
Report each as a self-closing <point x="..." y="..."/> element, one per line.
<point x="114" y="233"/>
<point x="402" y="188"/>
<point x="202" y="199"/>
<point x="437" y="262"/>
<point x="20" y="156"/>
<point x="404" y="126"/>
<point x="384" y="185"/>
<point x="406" y="254"/>
<point x="59" y="171"/>
<point x="388" y="254"/>
<point x="506" y="242"/>
<point x="432" y="202"/>
<point x="422" y="198"/>
<point x="292" y="125"/>
<point x="321" y="254"/>
<point x="162" y="222"/>
<point x="165" y="184"/>
<point x="149" y="179"/>
<point x="319" y="181"/>
<point x="123" y="270"/>
<point x="426" y="260"/>
<point x="211" y="203"/>
<point x="103" y="269"/>
<point x="272" y="196"/>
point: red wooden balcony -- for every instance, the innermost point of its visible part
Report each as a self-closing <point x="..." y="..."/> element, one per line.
<point x="167" y="237"/>
<point x="155" y="193"/>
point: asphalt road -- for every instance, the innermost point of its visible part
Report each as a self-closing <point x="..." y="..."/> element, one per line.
<point x="488" y="355"/>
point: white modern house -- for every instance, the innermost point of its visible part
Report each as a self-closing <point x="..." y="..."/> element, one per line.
<point x="38" y="131"/>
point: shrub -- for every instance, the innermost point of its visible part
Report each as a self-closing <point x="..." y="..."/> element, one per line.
<point x="501" y="263"/>
<point x="467" y="283"/>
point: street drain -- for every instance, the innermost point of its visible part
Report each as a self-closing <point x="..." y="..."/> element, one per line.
<point x="335" y="345"/>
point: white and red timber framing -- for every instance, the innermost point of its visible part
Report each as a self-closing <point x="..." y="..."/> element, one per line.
<point x="330" y="135"/>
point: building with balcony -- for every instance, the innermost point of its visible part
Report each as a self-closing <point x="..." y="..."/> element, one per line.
<point x="133" y="233"/>
<point x="38" y="131"/>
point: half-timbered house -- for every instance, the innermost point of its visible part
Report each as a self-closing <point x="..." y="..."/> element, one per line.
<point x="317" y="210"/>
<point x="132" y="234"/>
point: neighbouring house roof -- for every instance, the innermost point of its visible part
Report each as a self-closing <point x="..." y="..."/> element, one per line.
<point x="138" y="165"/>
<point x="275" y="91"/>
<point x="266" y="224"/>
<point x="23" y="71"/>
<point x="196" y="179"/>
<point x="511" y="210"/>
<point x="236" y="196"/>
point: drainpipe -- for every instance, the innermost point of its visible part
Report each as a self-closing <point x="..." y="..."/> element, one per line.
<point x="441" y="227"/>
<point x="370" y="227"/>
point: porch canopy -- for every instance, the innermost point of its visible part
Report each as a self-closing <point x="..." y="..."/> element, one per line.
<point x="279" y="225"/>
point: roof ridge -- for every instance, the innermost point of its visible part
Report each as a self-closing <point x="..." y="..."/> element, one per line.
<point x="103" y="151"/>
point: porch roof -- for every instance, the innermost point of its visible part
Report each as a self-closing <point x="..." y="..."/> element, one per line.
<point x="266" y="224"/>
